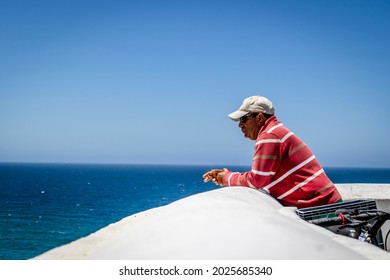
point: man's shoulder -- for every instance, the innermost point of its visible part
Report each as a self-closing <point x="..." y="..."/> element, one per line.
<point x="274" y="129"/>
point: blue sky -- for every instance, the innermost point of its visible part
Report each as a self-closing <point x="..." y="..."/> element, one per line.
<point x="153" y="81"/>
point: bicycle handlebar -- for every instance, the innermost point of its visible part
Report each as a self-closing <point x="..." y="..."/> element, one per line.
<point x="326" y="221"/>
<point x="347" y="218"/>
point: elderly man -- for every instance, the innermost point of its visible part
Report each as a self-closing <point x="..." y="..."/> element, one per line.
<point x="283" y="165"/>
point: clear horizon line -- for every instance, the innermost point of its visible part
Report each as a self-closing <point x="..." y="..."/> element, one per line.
<point x="216" y="165"/>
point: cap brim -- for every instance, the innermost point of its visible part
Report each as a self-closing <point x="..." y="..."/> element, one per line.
<point x="235" y="116"/>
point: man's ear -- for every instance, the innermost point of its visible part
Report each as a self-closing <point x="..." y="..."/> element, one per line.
<point x="260" y="118"/>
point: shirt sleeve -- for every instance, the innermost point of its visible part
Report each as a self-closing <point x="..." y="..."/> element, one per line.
<point x="266" y="161"/>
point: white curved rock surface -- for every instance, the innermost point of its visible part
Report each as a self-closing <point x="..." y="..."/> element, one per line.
<point x="227" y="223"/>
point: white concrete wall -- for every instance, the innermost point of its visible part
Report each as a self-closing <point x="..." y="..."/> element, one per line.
<point x="227" y="223"/>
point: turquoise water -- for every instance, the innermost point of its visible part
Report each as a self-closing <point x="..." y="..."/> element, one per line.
<point x="43" y="206"/>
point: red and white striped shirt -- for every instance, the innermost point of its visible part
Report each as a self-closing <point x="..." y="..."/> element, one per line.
<point x="284" y="166"/>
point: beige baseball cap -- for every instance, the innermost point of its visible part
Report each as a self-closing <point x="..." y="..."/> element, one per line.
<point x="254" y="104"/>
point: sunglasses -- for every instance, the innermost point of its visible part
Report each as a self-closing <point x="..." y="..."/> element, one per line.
<point x="243" y="119"/>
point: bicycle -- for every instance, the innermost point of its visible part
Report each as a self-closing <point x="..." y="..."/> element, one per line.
<point x="364" y="225"/>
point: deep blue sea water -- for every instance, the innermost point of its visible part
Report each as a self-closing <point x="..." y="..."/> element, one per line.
<point x="43" y="206"/>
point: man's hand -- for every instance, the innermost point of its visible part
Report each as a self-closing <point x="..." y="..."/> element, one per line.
<point x="215" y="175"/>
<point x="211" y="175"/>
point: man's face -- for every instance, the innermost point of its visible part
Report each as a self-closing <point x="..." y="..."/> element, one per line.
<point x="251" y="126"/>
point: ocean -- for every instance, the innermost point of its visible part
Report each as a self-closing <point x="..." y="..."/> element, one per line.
<point x="43" y="206"/>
